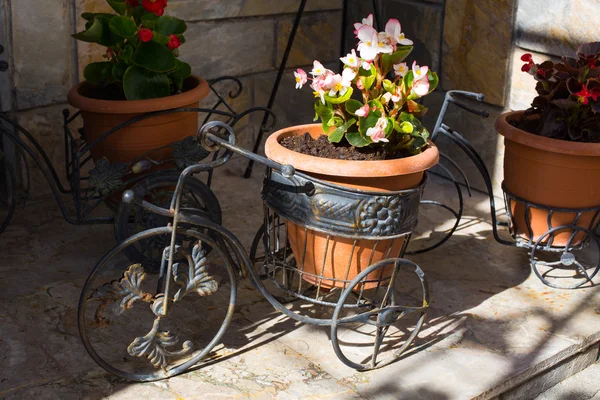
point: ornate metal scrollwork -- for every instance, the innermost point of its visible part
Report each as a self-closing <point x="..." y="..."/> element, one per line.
<point x="125" y="292"/>
<point x="106" y="177"/>
<point x="188" y="152"/>
<point x="196" y="278"/>
<point x="154" y="346"/>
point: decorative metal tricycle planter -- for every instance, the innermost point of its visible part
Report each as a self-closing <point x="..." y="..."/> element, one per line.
<point x="204" y="261"/>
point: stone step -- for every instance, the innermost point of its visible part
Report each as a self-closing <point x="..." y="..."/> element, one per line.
<point x="584" y="385"/>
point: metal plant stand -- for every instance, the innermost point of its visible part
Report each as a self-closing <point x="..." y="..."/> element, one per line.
<point x="569" y="263"/>
<point x="105" y="180"/>
<point x="372" y="304"/>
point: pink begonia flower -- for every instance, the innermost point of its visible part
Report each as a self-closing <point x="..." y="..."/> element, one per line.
<point x="419" y="72"/>
<point x="370" y="45"/>
<point x="394" y="31"/>
<point x="341" y="83"/>
<point x="318" y="69"/>
<point x="387" y="96"/>
<point x="363" y="111"/>
<point x="400" y="69"/>
<point x="397" y="96"/>
<point x="359" y="84"/>
<point x="351" y="59"/>
<point x="366" y="65"/>
<point x="366" y="21"/>
<point x="301" y="78"/>
<point x="377" y="133"/>
<point x="420" y="87"/>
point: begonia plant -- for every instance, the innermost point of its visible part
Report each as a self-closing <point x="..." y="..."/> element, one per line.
<point x="386" y="111"/>
<point x="568" y="103"/>
<point x="142" y="49"/>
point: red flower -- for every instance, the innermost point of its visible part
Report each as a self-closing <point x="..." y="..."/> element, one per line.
<point x="174" y="42"/>
<point x="526" y="67"/>
<point x="155" y="6"/>
<point x="527" y="57"/>
<point x="132" y="3"/>
<point x="541" y="72"/>
<point x="585" y="95"/>
<point x="145" y="35"/>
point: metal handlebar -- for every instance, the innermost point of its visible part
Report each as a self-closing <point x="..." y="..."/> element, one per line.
<point x="453" y="97"/>
<point x="213" y="142"/>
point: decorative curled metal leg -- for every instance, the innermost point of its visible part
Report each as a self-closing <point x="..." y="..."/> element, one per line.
<point x="570" y="266"/>
<point x="381" y="315"/>
<point x="134" y="332"/>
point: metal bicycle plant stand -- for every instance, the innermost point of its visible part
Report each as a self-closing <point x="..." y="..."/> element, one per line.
<point x="551" y="263"/>
<point x="106" y="180"/>
<point x="190" y="272"/>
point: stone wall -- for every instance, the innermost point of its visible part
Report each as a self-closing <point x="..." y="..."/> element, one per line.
<point x="243" y="38"/>
<point x="474" y="45"/>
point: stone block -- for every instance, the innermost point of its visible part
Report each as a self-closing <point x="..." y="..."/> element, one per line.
<point x="42" y="52"/>
<point x="236" y="48"/>
<point x="422" y="23"/>
<point x="318" y="38"/>
<point x="199" y="10"/>
<point x="477" y="43"/>
<point x="556" y="27"/>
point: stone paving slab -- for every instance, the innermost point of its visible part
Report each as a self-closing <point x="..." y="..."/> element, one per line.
<point x="492" y="324"/>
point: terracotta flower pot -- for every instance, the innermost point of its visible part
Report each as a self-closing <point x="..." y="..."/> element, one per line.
<point x="550" y="172"/>
<point x="133" y="141"/>
<point x="388" y="175"/>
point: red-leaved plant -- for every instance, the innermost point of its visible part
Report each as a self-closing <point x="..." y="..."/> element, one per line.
<point x="142" y="49"/>
<point x="568" y="103"/>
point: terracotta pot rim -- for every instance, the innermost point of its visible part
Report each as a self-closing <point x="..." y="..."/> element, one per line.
<point x="539" y="142"/>
<point x="346" y="168"/>
<point x="77" y="100"/>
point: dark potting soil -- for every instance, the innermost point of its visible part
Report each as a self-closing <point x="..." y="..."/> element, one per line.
<point x="322" y="147"/>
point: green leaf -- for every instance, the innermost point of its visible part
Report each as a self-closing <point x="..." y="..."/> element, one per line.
<point x="335" y="121"/>
<point x="118" y="71"/>
<point x="388" y="60"/>
<point x="389" y="129"/>
<point x="98" y="73"/>
<point x="166" y="25"/>
<point x="178" y="83"/>
<point x="405" y="127"/>
<point x="154" y="57"/>
<point x="367" y="77"/>
<point x="341" y="99"/>
<point x="325" y="112"/>
<point x="338" y="134"/>
<point x="126" y="54"/>
<point x="149" y="20"/>
<point x="118" y="6"/>
<point x="182" y="71"/>
<point x="417" y="144"/>
<point x="93" y="34"/>
<point x="160" y="39"/>
<point x="389" y="86"/>
<point x="352" y="106"/>
<point x="90" y="16"/>
<point x="368" y="122"/>
<point x="433" y="81"/>
<point x="123" y="26"/>
<point x="140" y="84"/>
<point x="358" y="140"/>
<point x="408" y="81"/>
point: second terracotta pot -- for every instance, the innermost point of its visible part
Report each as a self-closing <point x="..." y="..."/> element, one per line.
<point x="549" y="172"/>
<point x="339" y="259"/>
<point x="134" y="140"/>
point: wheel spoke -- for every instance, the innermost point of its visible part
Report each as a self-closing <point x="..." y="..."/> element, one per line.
<point x="379" y="335"/>
<point x="365" y="317"/>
